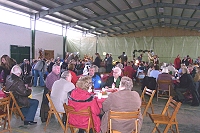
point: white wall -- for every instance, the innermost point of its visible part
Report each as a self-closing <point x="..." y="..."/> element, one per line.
<point x="13" y="35"/>
<point x="48" y="41"/>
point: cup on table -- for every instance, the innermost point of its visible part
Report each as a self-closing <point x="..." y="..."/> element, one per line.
<point x="99" y="95"/>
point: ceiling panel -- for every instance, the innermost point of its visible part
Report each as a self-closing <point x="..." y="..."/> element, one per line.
<point x="177" y="12"/>
<point x="131" y="25"/>
<point x="180" y="1"/>
<point x="168" y="1"/>
<point x="188" y="12"/>
<point x="122" y="18"/>
<point x="138" y="24"/>
<point x="120" y="4"/>
<point x="124" y="27"/>
<point x="141" y="14"/>
<point x="175" y="21"/>
<point x="105" y="4"/>
<point x="197" y="14"/>
<point x="167" y="11"/>
<point x="193" y="2"/>
<point x="96" y="24"/>
<point x="134" y="3"/>
<point x="74" y="14"/>
<point x="183" y="22"/>
<point x="151" y="11"/>
<point x="61" y="1"/>
<point x="113" y="20"/>
<point x="146" y="2"/>
<point x="167" y="20"/>
<point x="191" y="23"/>
<point x="95" y="8"/>
<point x="154" y="21"/>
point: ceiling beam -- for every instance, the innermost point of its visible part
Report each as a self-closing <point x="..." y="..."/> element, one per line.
<point x="124" y="23"/>
<point x="154" y="5"/>
<point x="183" y="26"/>
<point x="157" y="24"/>
<point x="113" y="14"/>
<point x="143" y="19"/>
<point x="179" y="6"/>
<point x="132" y="29"/>
<point x="61" y="8"/>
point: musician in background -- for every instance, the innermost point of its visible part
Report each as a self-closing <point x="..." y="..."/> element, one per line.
<point x="140" y="58"/>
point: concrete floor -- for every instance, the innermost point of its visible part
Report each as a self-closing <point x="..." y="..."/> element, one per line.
<point x="188" y="118"/>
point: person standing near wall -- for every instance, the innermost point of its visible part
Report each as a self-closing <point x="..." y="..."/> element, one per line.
<point x="123" y="58"/>
<point x="97" y="60"/>
<point x="109" y="63"/>
<point x="39" y="69"/>
<point x="177" y="62"/>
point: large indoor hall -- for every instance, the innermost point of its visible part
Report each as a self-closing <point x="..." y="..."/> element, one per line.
<point x="99" y="66"/>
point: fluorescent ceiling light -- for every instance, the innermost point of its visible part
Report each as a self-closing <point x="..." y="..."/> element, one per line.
<point x="106" y="21"/>
<point x="44" y="8"/>
<point x="161" y="10"/>
<point x="88" y="11"/>
<point x="162" y="20"/>
<point x="74" y="20"/>
<point x="92" y="27"/>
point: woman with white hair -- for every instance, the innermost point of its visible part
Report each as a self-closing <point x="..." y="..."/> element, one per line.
<point x="116" y="78"/>
<point x="127" y="101"/>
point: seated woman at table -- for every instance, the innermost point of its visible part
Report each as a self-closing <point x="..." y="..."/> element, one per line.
<point x="186" y="83"/>
<point x="116" y="78"/>
<point x="123" y="100"/>
<point x="96" y="79"/>
<point x="80" y="98"/>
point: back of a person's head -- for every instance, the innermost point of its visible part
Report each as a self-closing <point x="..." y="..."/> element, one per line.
<point x="126" y="82"/>
<point x="185" y="70"/>
<point x="71" y="66"/>
<point x="84" y="82"/>
<point x="119" y="65"/>
<point x="65" y="74"/>
<point x="16" y="69"/>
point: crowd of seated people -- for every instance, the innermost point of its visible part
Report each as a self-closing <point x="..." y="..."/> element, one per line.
<point x="73" y="83"/>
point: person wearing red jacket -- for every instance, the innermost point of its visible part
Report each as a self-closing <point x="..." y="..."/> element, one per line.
<point x="177" y="62"/>
<point x="71" y="69"/>
<point x="79" y="99"/>
<point x="129" y="71"/>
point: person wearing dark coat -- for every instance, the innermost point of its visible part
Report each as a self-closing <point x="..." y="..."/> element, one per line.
<point x="97" y="60"/>
<point x="116" y="78"/>
<point x="186" y="83"/>
<point x="15" y="84"/>
<point x="123" y="58"/>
